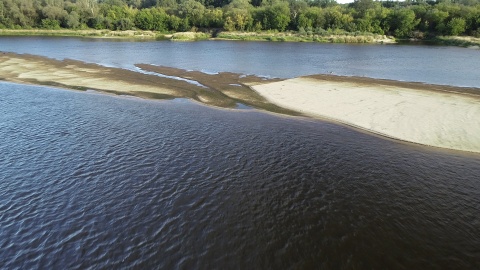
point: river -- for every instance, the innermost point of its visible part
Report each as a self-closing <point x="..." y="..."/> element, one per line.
<point x="420" y="63"/>
<point x="91" y="181"/>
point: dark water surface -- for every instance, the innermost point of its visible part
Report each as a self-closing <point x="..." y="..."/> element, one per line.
<point x="90" y="181"/>
<point x="430" y="64"/>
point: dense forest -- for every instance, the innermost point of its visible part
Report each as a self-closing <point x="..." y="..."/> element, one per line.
<point x="418" y="18"/>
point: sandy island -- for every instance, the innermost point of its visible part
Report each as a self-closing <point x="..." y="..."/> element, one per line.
<point x="440" y="116"/>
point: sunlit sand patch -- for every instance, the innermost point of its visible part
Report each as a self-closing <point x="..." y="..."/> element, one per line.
<point x="431" y="115"/>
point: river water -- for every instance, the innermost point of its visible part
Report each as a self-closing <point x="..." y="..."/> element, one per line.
<point x="91" y="181"/>
<point x="430" y="64"/>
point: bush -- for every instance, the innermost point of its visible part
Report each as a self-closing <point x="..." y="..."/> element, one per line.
<point x="302" y="31"/>
<point x="124" y="24"/>
<point x="50" y="24"/>
<point x="456" y="26"/>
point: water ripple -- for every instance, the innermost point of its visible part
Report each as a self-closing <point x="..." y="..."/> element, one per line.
<point x="91" y="181"/>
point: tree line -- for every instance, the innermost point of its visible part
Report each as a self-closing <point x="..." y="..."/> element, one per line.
<point x="411" y="18"/>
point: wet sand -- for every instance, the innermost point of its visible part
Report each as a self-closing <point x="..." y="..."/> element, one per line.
<point x="224" y="90"/>
<point x="440" y="116"/>
<point x="433" y="115"/>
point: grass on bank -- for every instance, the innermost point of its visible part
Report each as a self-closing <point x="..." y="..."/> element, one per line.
<point x="81" y="33"/>
<point x="93" y="33"/>
<point x="188" y="36"/>
<point x="458" y="41"/>
<point x="301" y="36"/>
<point x="323" y="36"/>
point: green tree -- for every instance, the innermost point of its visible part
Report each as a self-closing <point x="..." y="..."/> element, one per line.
<point x="87" y="9"/>
<point x="316" y="16"/>
<point x="72" y="20"/>
<point x="303" y="22"/>
<point x="436" y="20"/>
<point x="297" y="8"/>
<point x="421" y="14"/>
<point x="144" y="19"/>
<point x="402" y="19"/>
<point x="169" y="5"/>
<point x="361" y="6"/>
<point x="276" y="16"/>
<point x="97" y="22"/>
<point x="160" y="19"/>
<point x="335" y="18"/>
<point x="193" y="11"/>
<point x="214" y="18"/>
<point x="456" y="26"/>
<point x="50" y="24"/>
<point x="119" y="17"/>
<point x="403" y="22"/>
<point x="174" y="22"/>
<point x="375" y="20"/>
<point x="54" y="13"/>
<point x="324" y="3"/>
<point x="237" y="16"/>
<point x="124" y="24"/>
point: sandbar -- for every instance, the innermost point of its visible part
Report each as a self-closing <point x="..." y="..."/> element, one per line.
<point x="433" y="115"/>
<point x="225" y="90"/>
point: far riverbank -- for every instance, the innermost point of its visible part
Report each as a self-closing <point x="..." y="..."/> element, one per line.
<point x="291" y="36"/>
<point x="273" y="36"/>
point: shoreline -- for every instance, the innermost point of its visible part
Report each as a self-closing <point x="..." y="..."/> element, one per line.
<point x="267" y="36"/>
<point x="345" y="37"/>
<point x="89" y="33"/>
<point x="433" y="115"/>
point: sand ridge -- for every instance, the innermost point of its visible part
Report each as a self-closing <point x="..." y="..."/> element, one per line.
<point x="222" y="90"/>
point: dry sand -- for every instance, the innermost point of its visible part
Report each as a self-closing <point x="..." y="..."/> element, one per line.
<point x="447" y="117"/>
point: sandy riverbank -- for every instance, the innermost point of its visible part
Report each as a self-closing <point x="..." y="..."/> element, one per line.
<point x="440" y="116"/>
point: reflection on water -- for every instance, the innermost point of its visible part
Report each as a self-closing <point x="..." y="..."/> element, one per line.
<point x="94" y="181"/>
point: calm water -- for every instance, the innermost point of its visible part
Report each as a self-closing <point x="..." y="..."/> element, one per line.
<point x="90" y="181"/>
<point x="431" y="64"/>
